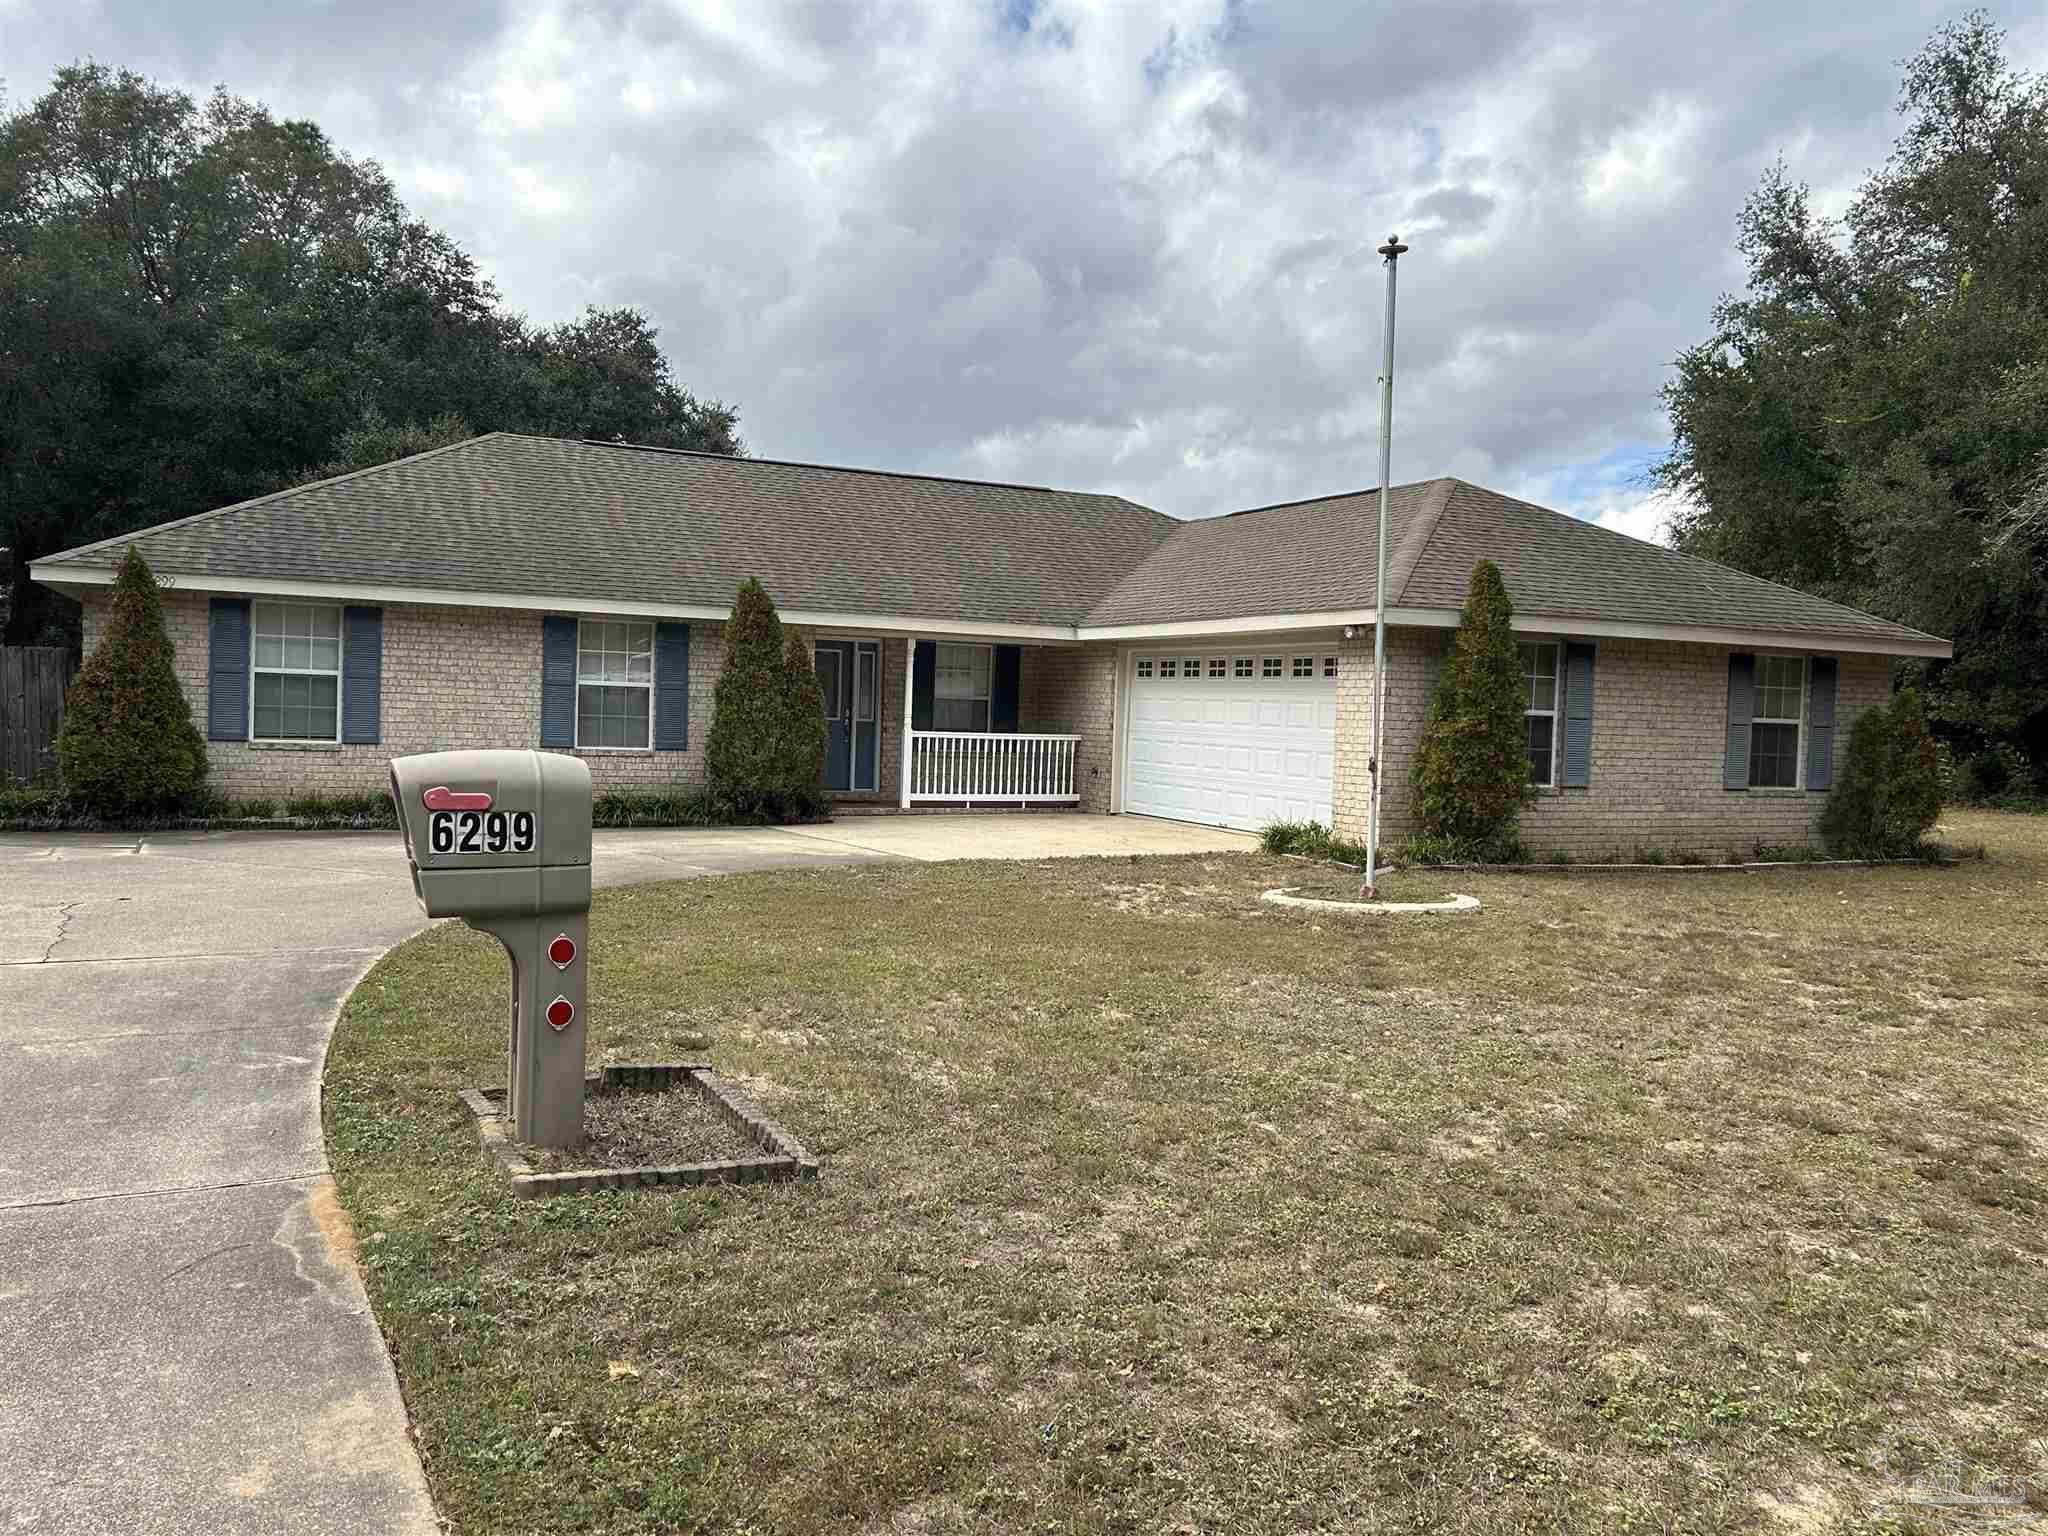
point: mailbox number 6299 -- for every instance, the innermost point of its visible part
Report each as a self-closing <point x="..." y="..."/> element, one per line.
<point x="480" y="831"/>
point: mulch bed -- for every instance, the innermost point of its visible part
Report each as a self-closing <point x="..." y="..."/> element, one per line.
<point x="647" y="1129"/>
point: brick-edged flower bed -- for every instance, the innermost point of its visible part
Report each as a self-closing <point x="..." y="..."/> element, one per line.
<point x="781" y="1155"/>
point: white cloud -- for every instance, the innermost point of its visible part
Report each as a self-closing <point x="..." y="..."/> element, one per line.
<point x="1129" y="247"/>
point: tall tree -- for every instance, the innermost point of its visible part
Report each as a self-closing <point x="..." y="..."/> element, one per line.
<point x="199" y="303"/>
<point x="1869" y="418"/>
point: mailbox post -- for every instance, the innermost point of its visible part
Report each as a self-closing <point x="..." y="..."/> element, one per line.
<point x="501" y="839"/>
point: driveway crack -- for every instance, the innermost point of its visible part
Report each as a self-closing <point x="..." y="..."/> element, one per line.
<point x="64" y="915"/>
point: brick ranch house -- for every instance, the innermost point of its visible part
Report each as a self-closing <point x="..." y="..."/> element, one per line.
<point x="1030" y="646"/>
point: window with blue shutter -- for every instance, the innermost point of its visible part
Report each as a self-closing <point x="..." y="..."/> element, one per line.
<point x="1003" y="688"/>
<point x="1741" y="707"/>
<point x="557" y="681"/>
<point x="362" y="671"/>
<point x="671" y="687"/>
<point x="1578" y="714"/>
<point x="1820" y="725"/>
<point x="227" y="669"/>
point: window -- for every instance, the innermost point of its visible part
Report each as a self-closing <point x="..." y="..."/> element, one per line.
<point x="1191" y="666"/>
<point x="1241" y="667"/>
<point x="1218" y="667"/>
<point x="1144" y="666"/>
<point x="1329" y="666"/>
<point x="295" y="672"/>
<point x="960" y="689"/>
<point x="865" y="660"/>
<point x="614" y="684"/>
<point x="1774" y="728"/>
<point x="1539" y="671"/>
<point x="1269" y="666"/>
<point x="1168" y="667"/>
<point x="1304" y="666"/>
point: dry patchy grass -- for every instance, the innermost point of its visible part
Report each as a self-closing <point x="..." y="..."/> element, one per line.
<point x="1660" y="1203"/>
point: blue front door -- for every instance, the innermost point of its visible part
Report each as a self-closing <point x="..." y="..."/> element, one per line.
<point x="834" y="660"/>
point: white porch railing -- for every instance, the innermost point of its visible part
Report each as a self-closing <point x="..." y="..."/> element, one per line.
<point x="991" y="765"/>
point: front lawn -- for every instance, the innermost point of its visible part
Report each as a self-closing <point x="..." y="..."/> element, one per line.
<point x="1656" y="1202"/>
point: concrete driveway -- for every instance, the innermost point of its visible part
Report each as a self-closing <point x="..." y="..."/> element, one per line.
<point x="183" y="1344"/>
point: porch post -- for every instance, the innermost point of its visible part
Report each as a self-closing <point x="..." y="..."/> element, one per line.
<point x="909" y="682"/>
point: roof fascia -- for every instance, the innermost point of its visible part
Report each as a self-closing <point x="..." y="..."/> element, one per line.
<point x="61" y="577"/>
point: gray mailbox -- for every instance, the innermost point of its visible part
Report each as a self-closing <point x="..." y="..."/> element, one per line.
<point x="501" y="839"/>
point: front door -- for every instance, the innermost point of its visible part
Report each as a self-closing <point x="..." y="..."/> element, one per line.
<point x="835" y="680"/>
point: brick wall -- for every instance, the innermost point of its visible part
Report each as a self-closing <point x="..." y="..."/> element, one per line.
<point x="1659" y="736"/>
<point x="458" y="677"/>
<point x="1070" y="690"/>
<point x="452" y="678"/>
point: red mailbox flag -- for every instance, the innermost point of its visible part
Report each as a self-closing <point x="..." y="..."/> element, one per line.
<point x="442" y="798"/>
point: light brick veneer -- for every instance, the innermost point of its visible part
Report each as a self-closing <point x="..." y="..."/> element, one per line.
<point x="455" y="677"/>
<point x="452" y="678"/>
<point x="1070" y="690"/>
<point x="1659" y="735"/>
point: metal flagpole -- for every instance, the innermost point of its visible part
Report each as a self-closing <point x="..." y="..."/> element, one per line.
<point x="1393" y="250"/>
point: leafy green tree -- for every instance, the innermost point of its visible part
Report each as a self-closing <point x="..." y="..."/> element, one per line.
<point x="765" y="755"/>
<point x="1869" y="419"/>
<point x="1471" y="768"/>
<point x="128" y="745"/>
<point x="200" y="303"/>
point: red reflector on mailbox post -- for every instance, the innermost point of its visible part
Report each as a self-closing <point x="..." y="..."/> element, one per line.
<point x="561" y="1013"/>
<point x="562" y="951"/>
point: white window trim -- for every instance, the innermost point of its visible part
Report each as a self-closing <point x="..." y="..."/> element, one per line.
<point x="987" y="700"/>
<point x="340" y="665"/>
<point x="1556" y="710"/>
<point x="1756" y="719"/>
<point x="577" y="725"/>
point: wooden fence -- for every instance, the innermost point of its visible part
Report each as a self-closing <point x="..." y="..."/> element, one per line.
<point x="32" y="683"/>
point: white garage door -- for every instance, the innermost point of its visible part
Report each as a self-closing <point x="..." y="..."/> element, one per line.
<point x="1234" y="738"/>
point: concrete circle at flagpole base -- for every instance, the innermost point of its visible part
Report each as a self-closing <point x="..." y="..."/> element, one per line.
<point x="1284" y="897"/>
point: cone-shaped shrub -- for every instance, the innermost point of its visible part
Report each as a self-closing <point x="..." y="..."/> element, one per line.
<point x="765" y="756"/>
<point x="1889" y="792"/>
<point x="1853" y="820"/>
<point x="1471" y="771"/>
<point x="804" y="735"/>
<point x="128" y="745"/>
<point x="1914" y="804"/>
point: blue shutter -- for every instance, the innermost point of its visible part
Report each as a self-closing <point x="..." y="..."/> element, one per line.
<point x="557" y="681"/>
<point x="1741" y="707"/>
<point x="227" y="669"/>
<point x="1820" y="726"/>
<point x="1002" y="688"/>
<point x="362" y="671"/>
<point x="671" y="687"/>
<point x="1578" y="715"/>
<point x="924" y="679"/>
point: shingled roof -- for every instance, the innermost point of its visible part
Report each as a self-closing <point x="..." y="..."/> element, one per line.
<point x="562" y="520"/>
<point x="1318" y="556"/>
<point x="558" y="522"/>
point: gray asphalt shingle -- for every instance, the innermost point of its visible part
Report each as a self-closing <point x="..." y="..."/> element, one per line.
<point x="563" y="520"/>
<point x="1317" y="556"/>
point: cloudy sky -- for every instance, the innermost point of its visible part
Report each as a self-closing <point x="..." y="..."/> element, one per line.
<point x="1104" y="244"/>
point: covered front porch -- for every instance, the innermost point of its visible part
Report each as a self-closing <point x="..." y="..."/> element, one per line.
<point x="917" y="721"/>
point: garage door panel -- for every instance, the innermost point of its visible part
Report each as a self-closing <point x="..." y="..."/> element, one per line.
<point x="1208" y="745"/>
